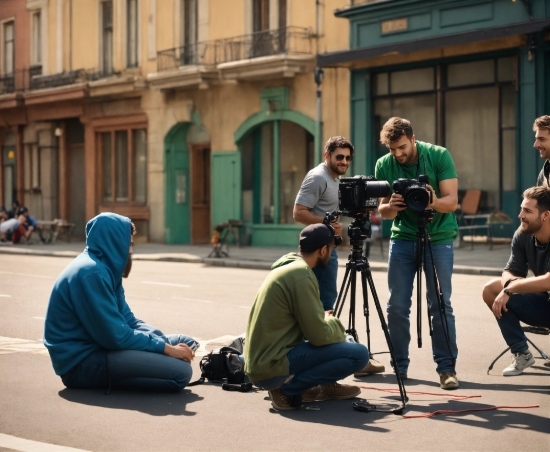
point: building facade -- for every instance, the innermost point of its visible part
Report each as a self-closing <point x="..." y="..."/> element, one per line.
<point x="470" y="75"/>
<point x="180" y="114"/>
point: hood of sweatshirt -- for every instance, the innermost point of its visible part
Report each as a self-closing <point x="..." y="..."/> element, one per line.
<point x="108" y="238"/>
<point x="285" y="260"/>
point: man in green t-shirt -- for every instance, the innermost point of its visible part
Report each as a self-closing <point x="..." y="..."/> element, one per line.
<point x="286" y="312"/>
<point x="409" y="159"/>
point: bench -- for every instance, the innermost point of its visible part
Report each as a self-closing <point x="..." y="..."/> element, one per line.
<point x="49" y="230"/>
<point x="489" y="220"/>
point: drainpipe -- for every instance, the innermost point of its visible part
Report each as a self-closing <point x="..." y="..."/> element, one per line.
<point x="318" y="75"/>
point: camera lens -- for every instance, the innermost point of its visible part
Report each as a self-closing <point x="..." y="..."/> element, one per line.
<point x="417" y="199"/>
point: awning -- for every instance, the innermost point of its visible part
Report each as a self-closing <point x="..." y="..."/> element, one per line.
<point x="348" y="56"/>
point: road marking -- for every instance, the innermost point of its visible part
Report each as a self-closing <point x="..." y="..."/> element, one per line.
<point x="15" y="345"/>
<point x="28" y="274"/>
<point x="142" y="296"/>
<point x="192" y="299"/>
<point x="39" y="318"/>
<point x="165" y="284"/>
<point x="27" y="445"/>
<point x="4" y="295"/>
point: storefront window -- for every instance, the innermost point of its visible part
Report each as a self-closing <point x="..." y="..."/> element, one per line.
<point x="471" y="111"/>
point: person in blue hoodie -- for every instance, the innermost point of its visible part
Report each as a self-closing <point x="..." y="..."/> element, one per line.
<point x="93" y="338"/>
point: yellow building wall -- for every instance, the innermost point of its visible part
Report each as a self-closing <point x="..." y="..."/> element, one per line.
<point x="226" y="19"/>
<point x="85" y="35"/>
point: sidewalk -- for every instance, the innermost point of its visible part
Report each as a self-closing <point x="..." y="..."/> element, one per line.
<point x="477" y="261"/>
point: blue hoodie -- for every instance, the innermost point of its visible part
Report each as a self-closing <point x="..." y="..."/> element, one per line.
<point x="87" y="309"/>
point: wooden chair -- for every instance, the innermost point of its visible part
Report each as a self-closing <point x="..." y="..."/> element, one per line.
<point x="468" y="216"/>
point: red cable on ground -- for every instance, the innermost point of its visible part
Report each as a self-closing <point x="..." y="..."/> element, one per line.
<point x="454" y="397"/>
<point x="448" y="395"/>
<point x="433" y="413"/>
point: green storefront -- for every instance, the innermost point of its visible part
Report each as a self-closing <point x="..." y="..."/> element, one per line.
<point x="471" y="75"/>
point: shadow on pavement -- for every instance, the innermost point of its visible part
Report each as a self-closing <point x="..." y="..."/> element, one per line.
<point x="337" y="413"/>
<point x="155" y="404"/>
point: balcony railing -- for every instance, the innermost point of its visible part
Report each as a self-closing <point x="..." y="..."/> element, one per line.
<point x="32" y="78"/>
<point x="289" y="40"/>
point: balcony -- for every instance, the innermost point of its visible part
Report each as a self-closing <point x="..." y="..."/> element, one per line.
<point x="262" y="55"/>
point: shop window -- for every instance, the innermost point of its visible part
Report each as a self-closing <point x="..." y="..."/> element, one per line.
<point x="107" y="37"/>
<point x="469" y="108"/>
<point x="132" y="33"/>
<point x="9" y="48"/>
<point x="471" y="73"/>
<point x="123" y="166"/>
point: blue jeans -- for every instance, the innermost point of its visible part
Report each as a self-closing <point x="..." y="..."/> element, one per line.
<point x="327" y="281"/>
<point x="311" y="366"/>
<point x="530" y="308"/>
<point x="401" y="275"/>
<point x="132" y="369"/>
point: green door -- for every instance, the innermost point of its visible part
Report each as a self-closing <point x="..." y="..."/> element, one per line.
<point x="226" y="187"/>
<point x="176" y="158"/>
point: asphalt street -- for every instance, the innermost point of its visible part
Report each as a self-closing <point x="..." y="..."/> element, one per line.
<point x="212" y="304"/>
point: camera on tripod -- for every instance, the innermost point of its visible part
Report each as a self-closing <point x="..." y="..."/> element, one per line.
<point x="416" y="195"/>
<point x="359" y="194"/>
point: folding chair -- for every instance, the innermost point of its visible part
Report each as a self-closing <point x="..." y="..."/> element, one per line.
<point x="527" y="329"/>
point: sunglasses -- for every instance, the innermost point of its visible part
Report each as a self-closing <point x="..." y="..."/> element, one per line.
<point x="340" y="157"/>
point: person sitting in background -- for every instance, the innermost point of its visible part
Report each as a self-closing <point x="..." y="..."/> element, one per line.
<point x="29" y="225"/>
<point x="13" y="229"/>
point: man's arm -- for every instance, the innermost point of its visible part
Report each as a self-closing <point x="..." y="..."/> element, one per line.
<point x="536" y="284"/>
<point x="448" y="201"/>
<point x="303" y="215"/>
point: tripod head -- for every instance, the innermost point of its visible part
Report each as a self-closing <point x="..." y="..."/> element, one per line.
<point x="358" y="231"/>
<point x="424" y="218"/>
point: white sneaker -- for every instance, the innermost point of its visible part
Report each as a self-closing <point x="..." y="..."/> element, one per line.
<point x="520" y="362"/>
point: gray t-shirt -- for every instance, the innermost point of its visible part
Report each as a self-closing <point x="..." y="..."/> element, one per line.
<point x="544" y="175"/>
<point x="528" y="254"/>
<point x="319" y="191"/>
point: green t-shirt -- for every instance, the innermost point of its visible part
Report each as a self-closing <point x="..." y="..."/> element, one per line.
<point x="436" y="162"/>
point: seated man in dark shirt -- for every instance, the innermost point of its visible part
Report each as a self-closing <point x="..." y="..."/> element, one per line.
<point x="514" y="297"/>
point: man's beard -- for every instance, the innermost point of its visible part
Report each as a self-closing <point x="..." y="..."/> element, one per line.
<point x="128" y="267"/>
<point x="531" y="227"/>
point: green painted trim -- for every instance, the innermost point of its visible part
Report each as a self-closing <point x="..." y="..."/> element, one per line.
<point x="257" y="195"/>
<point x="278" y="97"/>
<point x="276" y="168"/>
<point x="287" y="115"/>
<point x="275" y="234"/>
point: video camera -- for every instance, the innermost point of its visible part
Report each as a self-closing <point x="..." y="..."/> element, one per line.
<point x="359" y="194"/>
<point x="416" y="195"/>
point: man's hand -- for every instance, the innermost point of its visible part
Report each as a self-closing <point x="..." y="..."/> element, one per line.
<point x="397" y="203"/>
<point x="337" y="227"/>
<point x="499" y="305"/>
<point x="329" y="314"/>
<point x="179" y="351"/>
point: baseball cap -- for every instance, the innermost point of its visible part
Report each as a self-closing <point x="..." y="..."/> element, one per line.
<point x="316" y="236"/>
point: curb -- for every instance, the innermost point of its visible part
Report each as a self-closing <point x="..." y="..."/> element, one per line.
<point x="233" y="263"/>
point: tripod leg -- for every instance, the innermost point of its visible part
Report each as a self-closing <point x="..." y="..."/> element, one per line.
<point x="366" y="308"/>
<point x="343" y="293"/>
<point x="404" y="399"/>
<point x="351" y="322"/>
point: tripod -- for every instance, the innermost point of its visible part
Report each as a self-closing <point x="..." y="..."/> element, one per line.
<point x="358" y="231"/>
<point x="423" y="238"/>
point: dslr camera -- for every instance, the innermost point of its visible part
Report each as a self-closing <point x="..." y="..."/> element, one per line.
<point x="359" y="194"/>
<point x="416" y="195"/>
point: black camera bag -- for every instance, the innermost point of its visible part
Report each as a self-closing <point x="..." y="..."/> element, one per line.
<point x="224" y="366"/>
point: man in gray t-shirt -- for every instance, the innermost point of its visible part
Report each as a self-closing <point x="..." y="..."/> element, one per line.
<point x="541" y="127"/>
<point x="318" y="195"/>
<point x="514" y="297"/>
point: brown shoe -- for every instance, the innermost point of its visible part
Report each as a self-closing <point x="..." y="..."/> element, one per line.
<point x="448" y="380"/>
<point x="336" y="391"/>
<point x="282" y="402"/>
<point x="313" y="395"/>
<point x="373" y="367"/>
